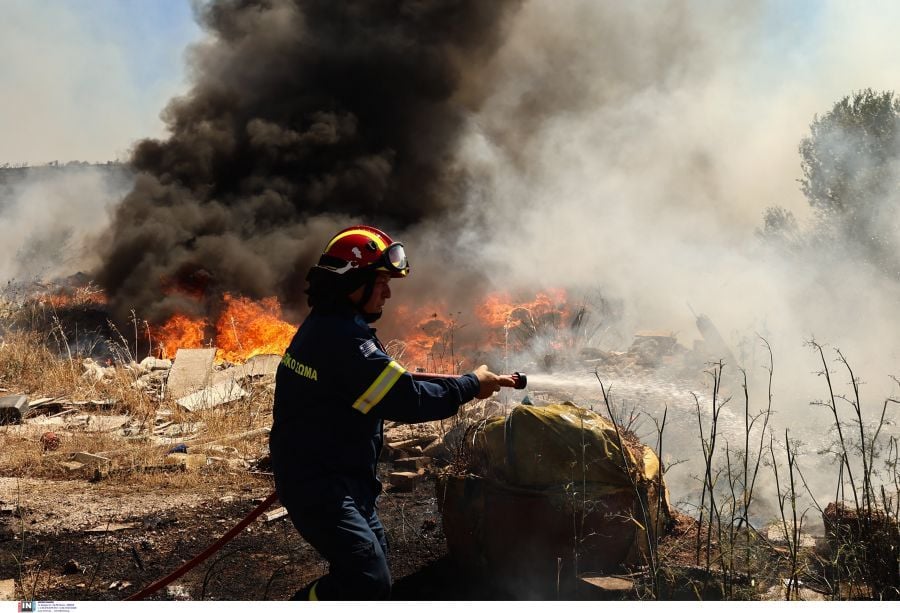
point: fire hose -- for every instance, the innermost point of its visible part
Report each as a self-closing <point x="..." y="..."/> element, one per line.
<point x="520" y="381"/>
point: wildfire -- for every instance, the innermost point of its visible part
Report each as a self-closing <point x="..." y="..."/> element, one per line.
<point x="244" y="329"/>
<point x="501" y="314"/>
<point x="438" y="343"/>
<point x="425" y="337"/>
<point x="88" y="295"/>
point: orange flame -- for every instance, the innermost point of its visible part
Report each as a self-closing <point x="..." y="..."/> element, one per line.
<point x="87" y="295"/>
<point x="180" y="332"/>
<point x="503" y="315"/>
<point x="244" y="329"/>
<point x="426" y="339"/>
<point x="248" y="328"/>
<point x="438" y="343"/>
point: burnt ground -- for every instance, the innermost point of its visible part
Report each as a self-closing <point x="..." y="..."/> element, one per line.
<point x="266" y="561"/>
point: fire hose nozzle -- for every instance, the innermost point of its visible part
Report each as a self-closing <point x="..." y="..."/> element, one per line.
<point x="519" y="378"/>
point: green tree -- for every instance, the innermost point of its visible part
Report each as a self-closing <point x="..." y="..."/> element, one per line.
<point x="851" y="174"/>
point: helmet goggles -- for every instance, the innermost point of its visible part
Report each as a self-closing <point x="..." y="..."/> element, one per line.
<point x="394" y="260"/>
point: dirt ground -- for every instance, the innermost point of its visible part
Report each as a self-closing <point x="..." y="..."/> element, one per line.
<point x="92" y="541"/>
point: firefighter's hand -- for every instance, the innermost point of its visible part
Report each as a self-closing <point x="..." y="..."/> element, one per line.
<point x="490" y="383"/>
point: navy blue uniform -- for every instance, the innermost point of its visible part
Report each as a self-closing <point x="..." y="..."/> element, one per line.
<point x="333" y="389"/>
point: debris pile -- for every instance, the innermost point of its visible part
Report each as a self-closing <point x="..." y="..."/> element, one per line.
<point x="551" y="492"/>
<point x="179" y="391"/>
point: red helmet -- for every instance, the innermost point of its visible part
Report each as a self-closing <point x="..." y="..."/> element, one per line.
<point x="364" y="247"/>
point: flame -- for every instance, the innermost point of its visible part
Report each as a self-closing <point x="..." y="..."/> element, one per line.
<point x="437" y="343"/>
<point x="88" y="295"/>
<point x="246" y="328"/>
<point x="428" y="340"/>
<point x="180" y="332"/>
<point x="503" y="315"/>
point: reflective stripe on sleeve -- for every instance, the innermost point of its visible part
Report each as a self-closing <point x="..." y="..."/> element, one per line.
<point x="381" y="386"/>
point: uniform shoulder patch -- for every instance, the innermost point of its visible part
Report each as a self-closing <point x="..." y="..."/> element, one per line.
<point x="368" y="348"/>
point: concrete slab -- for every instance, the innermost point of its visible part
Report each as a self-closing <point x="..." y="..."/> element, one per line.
<point x="90" y="459"/>
<point x="191" y="371"/>
<point x="12" y="408"/>
<point x="106" y="423"/>
<point x="212" y="396"/>
<point x="263" y="365"/>
<point x="404" y="481"/>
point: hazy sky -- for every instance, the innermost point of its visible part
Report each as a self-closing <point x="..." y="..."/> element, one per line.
<point x="84" y="79"/>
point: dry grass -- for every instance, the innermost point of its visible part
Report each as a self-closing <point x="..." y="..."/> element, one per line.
<point x="37" y="365"/>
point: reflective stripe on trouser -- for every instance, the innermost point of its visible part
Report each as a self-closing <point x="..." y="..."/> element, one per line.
<point x="352" y="539"/>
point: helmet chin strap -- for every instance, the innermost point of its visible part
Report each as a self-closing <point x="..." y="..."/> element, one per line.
<point x="367" y="293"/>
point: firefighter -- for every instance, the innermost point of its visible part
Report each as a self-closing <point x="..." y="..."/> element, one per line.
<point x="334" y="388"/>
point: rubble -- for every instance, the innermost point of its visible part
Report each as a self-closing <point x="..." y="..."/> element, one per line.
<point x="259" y="366"/>
<point x="190" y="372"/>
<point x="274" y="514"/>
<point x="44" y="406"/>
<point x="149" y="364"/>
<point x="90" y="459"/>
<point x="412" y="464"/>
<point x="604" y="587"/>
<point x="212" y="396"/>
<point x="97" y="466"/>
<point x="94" y="372"/>
<point x="178" y="592"/>
<point x="404" y="481"/>
<point x="12" y="408"/>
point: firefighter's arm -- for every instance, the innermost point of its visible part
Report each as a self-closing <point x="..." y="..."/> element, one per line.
<point x="396" y="396"/>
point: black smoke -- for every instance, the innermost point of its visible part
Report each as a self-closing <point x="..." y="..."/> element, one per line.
<point x="303" y="115"/>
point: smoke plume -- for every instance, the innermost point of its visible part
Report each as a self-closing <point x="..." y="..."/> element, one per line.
<point x="303" y="116"/>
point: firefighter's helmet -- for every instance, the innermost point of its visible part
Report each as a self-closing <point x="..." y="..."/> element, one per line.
<point x="364" y="248"/>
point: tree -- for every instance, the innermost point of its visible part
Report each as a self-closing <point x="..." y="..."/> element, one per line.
<point x="851" y="174"/>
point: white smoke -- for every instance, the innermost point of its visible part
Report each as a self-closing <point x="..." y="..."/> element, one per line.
<point x="51" y="218"/>
<point x="634" y="147"/>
